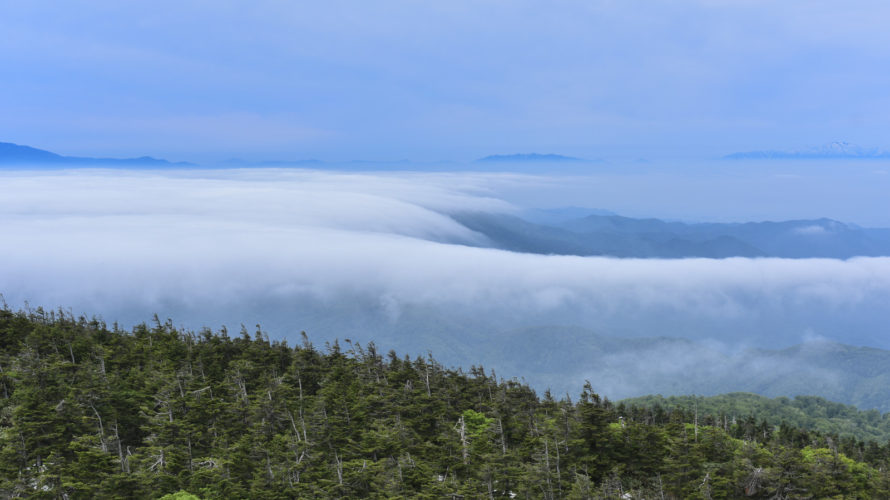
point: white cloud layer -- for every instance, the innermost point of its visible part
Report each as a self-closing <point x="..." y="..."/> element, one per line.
<point x="376" y="256"/>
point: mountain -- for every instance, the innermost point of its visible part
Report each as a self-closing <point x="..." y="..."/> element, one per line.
<point x="238" y="162"/>
<point x="790" y="239"/>
<point x="18" y="155"/>
<point x="512" y="233"/>
<point x="557" y="216"/>
<point x="617" y="236"/>
<point x="14" y="153"/>
<point x="834" y="150"/>
<point x="529" y="157"/>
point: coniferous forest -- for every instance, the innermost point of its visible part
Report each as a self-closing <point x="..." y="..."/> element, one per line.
<point x="92" y="411"/>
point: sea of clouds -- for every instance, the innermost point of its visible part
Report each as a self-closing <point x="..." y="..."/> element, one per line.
<point x="375" y="256"/>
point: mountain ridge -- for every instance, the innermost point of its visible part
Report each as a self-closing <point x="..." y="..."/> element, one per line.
<point x="833" y="150"/>
<point x="529" y="157"/>
<point x="598" y="234"/>
<point x="17" y="154"/>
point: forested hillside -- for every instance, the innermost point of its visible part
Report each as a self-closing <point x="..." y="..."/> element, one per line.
<point x="804" y="412"/>
<point x="614" y="235"/>
<point x="88" y="411"/>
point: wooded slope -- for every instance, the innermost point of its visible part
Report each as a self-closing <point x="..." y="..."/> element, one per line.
<point x="88" y="411"/>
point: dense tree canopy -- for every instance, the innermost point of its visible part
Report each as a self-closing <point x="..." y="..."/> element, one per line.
<point x="804" y="412"/>
<point x="90" y="411"/>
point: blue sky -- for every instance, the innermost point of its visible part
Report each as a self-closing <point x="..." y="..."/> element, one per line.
<point x="209" y="80"/>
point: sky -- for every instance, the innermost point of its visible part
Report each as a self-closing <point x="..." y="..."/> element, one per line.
<point x="457" y="80"/>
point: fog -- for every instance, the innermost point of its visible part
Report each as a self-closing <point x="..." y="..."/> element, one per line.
<point x="375" y="256"/>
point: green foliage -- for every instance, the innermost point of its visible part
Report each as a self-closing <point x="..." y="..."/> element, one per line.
<point x="477" y="423"/>
<point x="180" y="495"/>
<point x="804" y="412"/>
<point x="92" y="412"/>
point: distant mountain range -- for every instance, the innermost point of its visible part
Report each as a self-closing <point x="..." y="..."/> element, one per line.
<point x="529" y="157"/>
<point x="238" y="162"/>
<point x="17" y="155"/>
<point x="834" y="150"/>
<point x="617" y="236"/>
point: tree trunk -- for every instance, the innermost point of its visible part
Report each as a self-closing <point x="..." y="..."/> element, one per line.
<point x="101" y="429"/>
<point x="462" y="431"/>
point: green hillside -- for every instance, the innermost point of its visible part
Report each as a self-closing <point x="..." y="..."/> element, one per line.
<point x="88" y="411"/>
<point x="804" y="412"/>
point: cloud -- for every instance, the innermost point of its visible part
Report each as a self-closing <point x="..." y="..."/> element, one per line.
<point x="205" y="246"/>
<point x="375" y="256"/>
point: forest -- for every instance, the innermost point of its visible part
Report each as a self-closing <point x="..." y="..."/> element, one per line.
<point x="90" y="410"/>
<point x="805" y="412"/>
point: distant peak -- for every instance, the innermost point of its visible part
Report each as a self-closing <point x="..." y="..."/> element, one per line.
<point x="836" y="149"/>
<point x="529" y="157"/>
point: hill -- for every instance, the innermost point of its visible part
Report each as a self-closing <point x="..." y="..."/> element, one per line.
<point x="617" y="236"/>
<point x="93" y="412"/>
<point x="834" y="150"/>
<point x="804" y="412"/>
